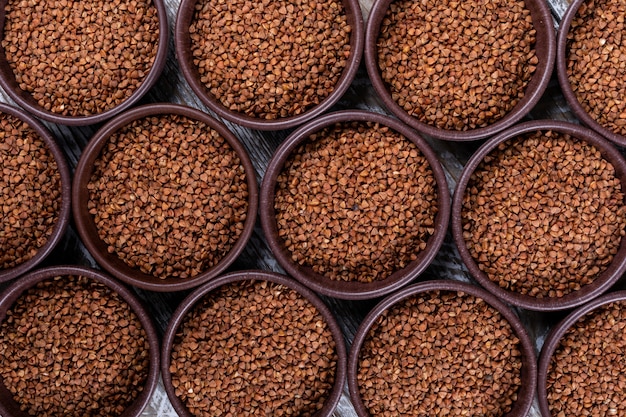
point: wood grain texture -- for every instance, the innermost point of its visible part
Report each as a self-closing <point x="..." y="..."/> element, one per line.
<point x="172" y="87"/>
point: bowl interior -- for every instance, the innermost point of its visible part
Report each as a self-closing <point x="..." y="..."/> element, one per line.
<point x="184" y="54"/>
<point x="529" y="368"/>
<point x="28" y="102"/>
<point x="339" y="288"/>
<point x="179" y="316"/>
<point x="545" y="47"/>
<point x="572" y="299"/>
<point x="65" y="208"/>
<point x="86" y="225"/>
<point x="9" y="407"/>
<point x="553" y="340"/>
<point x="565" y="84"/>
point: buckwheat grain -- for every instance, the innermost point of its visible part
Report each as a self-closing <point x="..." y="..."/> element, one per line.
<point x="356" y="202"/>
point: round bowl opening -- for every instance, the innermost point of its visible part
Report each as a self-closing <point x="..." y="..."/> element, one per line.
<point x="69" y="87"/>
<point x="433" y="334"/>
<point x="165" y="197"/>
<point x="580" y="355"/>
<point x="535" y="250"/>
<point x="288" y="352"/>
<point x="272" y="91"/>
<point x="580" y="81"/>
<point x="38" y="196"/>
<point x="464" y="105"/>
<point x="329" y="179"/>
<point x="89" y="318"/>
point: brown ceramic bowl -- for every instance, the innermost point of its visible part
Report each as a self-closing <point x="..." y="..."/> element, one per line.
<point x="252" y="344"/>
<point x="252" y="119"/>
<point x="65" y="191"/>
<point x="568" y="87"/>
<point x="221" y="256"/>
<point x="42" y="109"/>
<point x="395" y="274"/>
<point x="463" y="362"/>
<point x="545" y="48"/>
<point x="578" y="344"/>
<point x="552" y="296"/>
<point x="9" y="407"/>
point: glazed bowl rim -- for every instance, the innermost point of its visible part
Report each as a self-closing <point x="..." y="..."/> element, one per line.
<point x="529" y="364"/>
<point x="601" y="284"/>
<point x="343" y="289"/>
<point x="186" y="306"/>
<point x="88" y="231"/>
<point x="10" y="295"/>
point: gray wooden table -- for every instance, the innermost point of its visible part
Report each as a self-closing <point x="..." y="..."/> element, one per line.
<point x="172" y="87"/>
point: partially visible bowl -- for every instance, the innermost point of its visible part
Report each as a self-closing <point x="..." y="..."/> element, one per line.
<point x="253" y="343"/>
<point x="589" y="71"/>
<point x="354" y="204"/>
<point x="261" y="65"/>
<point x="36" y="202"/>
<point x="441" y="348"/>
<point x="539" y="215"/>
<point x="82" y="63"/>
<point x="461" y="71"/>
<point x="165" y="197"/>
<point x="581" y="366"/>
<point x="75" y="341"/>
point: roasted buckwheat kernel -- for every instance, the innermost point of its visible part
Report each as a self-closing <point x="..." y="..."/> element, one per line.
<point x="254" y="349"/>
<point x="270" y="59"/>
<point x="356" y="202"/>
<point x="437" y="354"/>
<point x="586" y="373"/>
<point x="71" y="346"/>
<point x="30" y="192"/>
<point x="457" y="65"/>
<point x="169" y="196"/>
<point x="79" y="58"/>
<point x="544" y="214"/>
